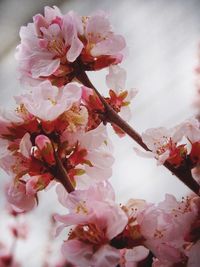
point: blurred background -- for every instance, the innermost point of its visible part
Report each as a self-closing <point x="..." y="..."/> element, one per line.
<point x="162" y="39"/>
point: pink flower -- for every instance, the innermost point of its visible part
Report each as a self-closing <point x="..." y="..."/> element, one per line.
<point x="95" y="158"/>
<point x="51" y="121"/>
<point x="175" y="144"/>
<point x="48" y="44"/>
<point x="190" y="129"/>
<point x="101" y="39"/>
<point x="163" y="145"/>
<point x="166" y="226"/>
<point x="48" y="102"/>
<point x="51" y="44"/>
<point x="18" y="197"/>
<point x="103" y="47"/>
<point x="46" y="148"/>
<point x="119" y="98"/>
<point x="157" y="141"/>
<point x="97" y="219"/>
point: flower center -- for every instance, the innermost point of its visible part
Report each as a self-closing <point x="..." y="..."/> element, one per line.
<point x="89" y="233"/>
<point x="57" y="46"/>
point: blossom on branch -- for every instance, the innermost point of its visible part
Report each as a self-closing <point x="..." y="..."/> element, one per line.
<point x="174" y="145"/>
<point x="54" y="45"/>
<point x="47" y="126"/>
<point x="166" y="228"/>
<point x="169" y="229"/>
<point x="119" y="98"/>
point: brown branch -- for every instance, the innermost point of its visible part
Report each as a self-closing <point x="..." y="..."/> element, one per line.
<point x="182" y="173"/>
<point x="62" y="175"/>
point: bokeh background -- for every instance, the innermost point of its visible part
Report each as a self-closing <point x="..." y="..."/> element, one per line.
<point x="162" y="53"/>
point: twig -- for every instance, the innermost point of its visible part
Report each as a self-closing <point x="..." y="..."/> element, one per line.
<point x="182" y="173"/>
<point x="62" y="175"/>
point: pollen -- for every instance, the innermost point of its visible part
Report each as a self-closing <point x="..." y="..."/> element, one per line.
<point x="57" y="46"/>
<point x="90" y="233"/>
<point x="53" y="102"/>
<point x="81" y="208"/>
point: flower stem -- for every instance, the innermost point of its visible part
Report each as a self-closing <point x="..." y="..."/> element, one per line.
<point x="182" y="173"/>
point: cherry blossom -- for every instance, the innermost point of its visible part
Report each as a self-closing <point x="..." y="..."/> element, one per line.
<point x="48" y="102"/>
<point x="96" y="219"/>
<point x="174" y="145"/>
<point x="165" y="228"/>
<point x="53" y="44"/>
<point x="16" y="195"/>
<point x="103" y="47"/>
<point x="119" y="98"/>
<point x="92" y="156"/>
<point x="48" y="44"/>
<point x="50" y="122"/>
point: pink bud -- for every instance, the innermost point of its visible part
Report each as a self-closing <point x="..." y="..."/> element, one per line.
<point x="46" y="149"/>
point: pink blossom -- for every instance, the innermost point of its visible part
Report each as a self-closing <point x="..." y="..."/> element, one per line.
<point x="174" y="144"/>
<point x="46" y="148"/>
<point x="18" y="197"/>
<point x="51" y="44"/>
<point x="116" y="78"/>
<point x="48" y="102"/>
<point x="166" y="226"/>
<point x="30" y="143"/>
<point x="163" y="146"/>
<point x="97" y="220"/>
<point x="98" y="158"/>
<point x="48" y="43"/>
<point x="119" y="98"/>
<point x="190" y="129"/>
<point x="157" y="141"/>
<point x="101" y="39"/>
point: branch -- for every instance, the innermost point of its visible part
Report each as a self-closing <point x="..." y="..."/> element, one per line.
<point x="62" y="175"/>
<point x="182" y="173"/>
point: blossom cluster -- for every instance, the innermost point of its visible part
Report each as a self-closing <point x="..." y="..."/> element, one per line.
<point x="106" y="234"/>
<point x="48" y="124"/>
<point x="179" y="145"/>
<point x="55" y="45"/>
<point x="57" y="135"/>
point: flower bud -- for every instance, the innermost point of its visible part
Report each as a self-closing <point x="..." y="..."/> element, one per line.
<point x="46" y="149"/>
